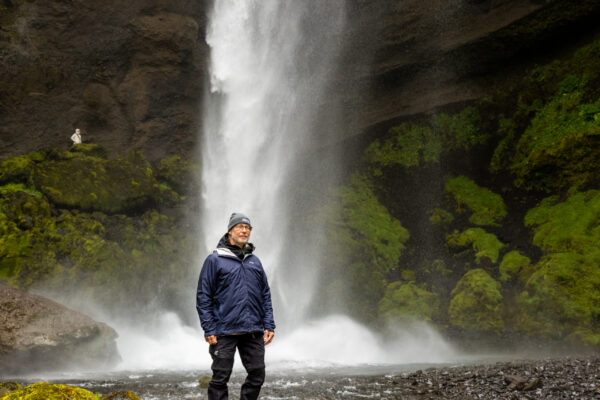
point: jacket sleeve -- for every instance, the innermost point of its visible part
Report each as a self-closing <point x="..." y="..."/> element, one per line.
<point x="205" y="303"/>
<point x="268" y="321"/>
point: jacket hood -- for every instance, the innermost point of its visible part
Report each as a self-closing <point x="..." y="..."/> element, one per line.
<point x="237" y="251"/>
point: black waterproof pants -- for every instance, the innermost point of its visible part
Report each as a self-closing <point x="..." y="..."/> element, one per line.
<point x="252" y="352"/>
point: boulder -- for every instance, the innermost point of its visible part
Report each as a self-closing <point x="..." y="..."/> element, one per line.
<point x="39" y="334"/>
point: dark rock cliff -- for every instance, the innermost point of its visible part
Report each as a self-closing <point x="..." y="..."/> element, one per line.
<point x="129" y="75"/>
<point x="413" y="57"/>
<point x="132" y="77"/>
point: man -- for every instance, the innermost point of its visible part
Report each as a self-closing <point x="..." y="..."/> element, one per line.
<point x="234" y="305"/>
<point x="76" y="137"/>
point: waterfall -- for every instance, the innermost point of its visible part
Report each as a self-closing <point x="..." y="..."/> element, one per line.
<point x="270" y="64"/>
<point x="270" y="61"/>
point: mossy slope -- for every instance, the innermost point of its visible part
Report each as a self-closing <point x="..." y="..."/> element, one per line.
<point x="84" y="224"/>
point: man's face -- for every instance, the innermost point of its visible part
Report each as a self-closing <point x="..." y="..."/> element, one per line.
<point x="240" y="234"/>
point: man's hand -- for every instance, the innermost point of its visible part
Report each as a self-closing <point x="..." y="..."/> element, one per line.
<point x="212" y="339"/>
<point x="268" y="336"/>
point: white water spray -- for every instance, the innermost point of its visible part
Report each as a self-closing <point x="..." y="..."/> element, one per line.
<point x="270" y="62"/>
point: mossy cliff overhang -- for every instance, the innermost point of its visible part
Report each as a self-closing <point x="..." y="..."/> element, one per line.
<point x="438" y="54"/>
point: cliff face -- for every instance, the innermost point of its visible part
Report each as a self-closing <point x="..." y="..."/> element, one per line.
<point x="132" y="77"/>
<point x="128" y="75"/>
<point x="413" y="57"/>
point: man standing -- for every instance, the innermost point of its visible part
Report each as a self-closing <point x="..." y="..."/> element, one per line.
<point x="234" y="305"/>
<point x="76" y="137"/>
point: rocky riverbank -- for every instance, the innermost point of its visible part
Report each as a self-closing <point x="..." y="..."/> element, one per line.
<point x="567" y="378"/>
<point x="559" y="378"/>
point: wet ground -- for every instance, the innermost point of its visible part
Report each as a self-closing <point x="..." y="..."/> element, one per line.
<point x="564" y="378"/>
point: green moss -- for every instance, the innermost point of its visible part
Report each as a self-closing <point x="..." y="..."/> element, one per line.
<point x="411" y="145"/>
<point x="485" y="244"/>
<point x="408" y="275"/>
<point x="487" y="207"/>
<point x="364" y="243"/>
<point x="461" y="130"/>
<point x="407" y="301"/>
<point x="18" y="187"/>
<point x="89" y="149"/>
<point x="16" y="169"/>
<point x="571" y="225"/>
<point x="181" y="175"/>
<point x="562" y="296"/>
<point x="50" y="391"/>
<point x="503" y="152"/>
<point x="90" y="183"/>
<point x="438" y="216"/>
<point x="512" y="263"/>
<point x="477" y="303"/>
<point x="436" y="269"/>
<point x="559" y="147"/>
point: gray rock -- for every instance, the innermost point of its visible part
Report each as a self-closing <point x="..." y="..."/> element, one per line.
<point x="39" y="334"/>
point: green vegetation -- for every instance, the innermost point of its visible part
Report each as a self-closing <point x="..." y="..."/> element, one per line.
<point x="49" y="391"/>
<point x="484" y="244"/>
<point x="559" y="148"/>
<point x="512" y="263"/>
<point x="461" y="130"/>
<point x="488" y="208"/>
<point x="571" y="225"/>
<point x="56" y="391"/>
<point x="562" y="297"/>
<point x="477" y="303"/>
<point x="411" y="144"/>
<point x="94" y="246"/>
<point x="533" y="140"/>
<point x="365" y="243"/>
<point x="407" y="301"/>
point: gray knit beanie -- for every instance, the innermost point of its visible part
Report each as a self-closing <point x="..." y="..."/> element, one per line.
<point x="238" y="218"/>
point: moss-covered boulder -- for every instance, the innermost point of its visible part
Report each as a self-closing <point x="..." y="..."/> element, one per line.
<point x="90" y="183"/>
<point x="487" y="207"/>
<point x="483" y="243"/>
<point x="512" y="263"/>
<point x="406" y="301"/>
<point x="50" y="391"/>
<point x="477" y="303"/>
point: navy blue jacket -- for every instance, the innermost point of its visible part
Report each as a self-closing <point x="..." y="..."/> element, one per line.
<point x="233" y="294"/>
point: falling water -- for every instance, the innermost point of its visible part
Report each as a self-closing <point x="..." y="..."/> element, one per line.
<point x="270" y="64"/>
